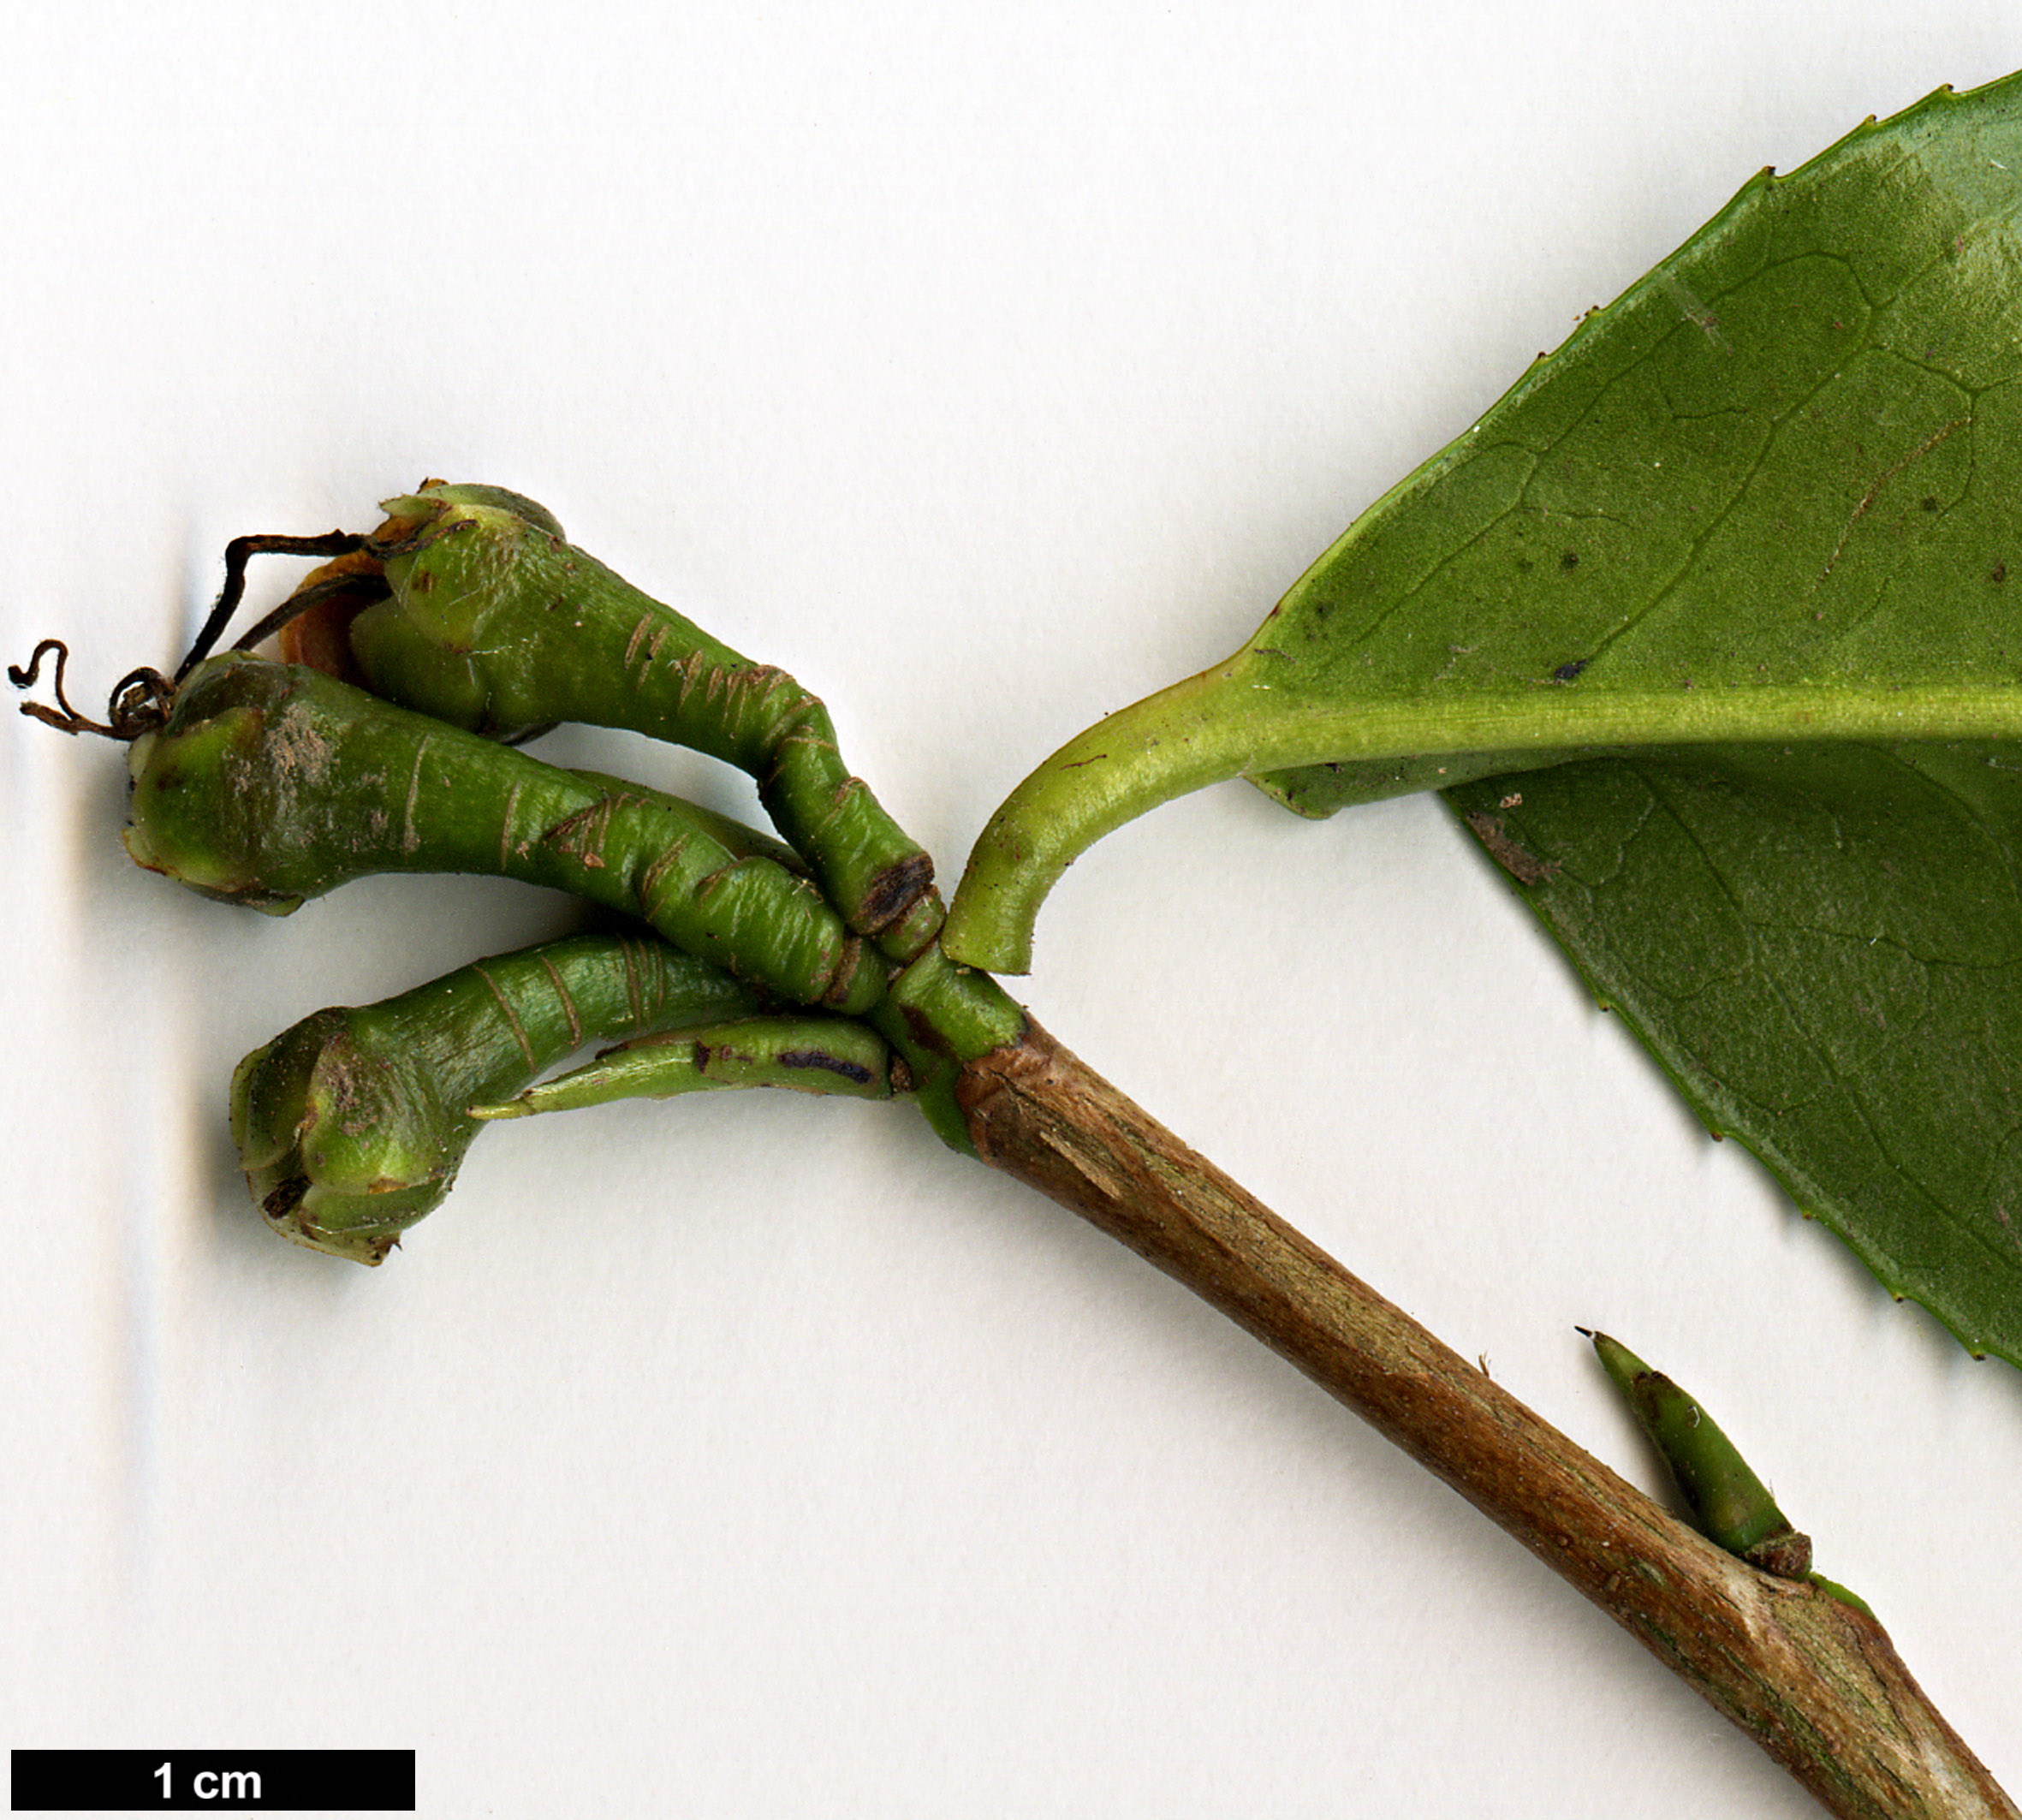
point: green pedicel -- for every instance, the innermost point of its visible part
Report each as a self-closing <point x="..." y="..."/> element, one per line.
<point x="810" y="1054"/>
<point x="496" y="624"/>
<point x="351" y="1125"/>
<point x="271" y="784"/>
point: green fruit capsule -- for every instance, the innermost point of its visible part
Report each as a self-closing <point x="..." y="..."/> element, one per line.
<point x="495" y="623"/>
<point x="352" y="1124"/>
<point x="271" y="784"/>
<point x="1728" y="1504"/>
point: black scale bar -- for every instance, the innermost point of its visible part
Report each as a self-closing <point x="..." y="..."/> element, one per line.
<point x="202" y="1781"/>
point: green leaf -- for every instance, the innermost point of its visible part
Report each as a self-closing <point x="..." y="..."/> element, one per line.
<point x="1720" y="591"/>
<point x="1759" y="498"/>
<point x="1822" y="946"/>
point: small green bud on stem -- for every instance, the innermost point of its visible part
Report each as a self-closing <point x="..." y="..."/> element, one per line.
<point x="1729" y="1504"/>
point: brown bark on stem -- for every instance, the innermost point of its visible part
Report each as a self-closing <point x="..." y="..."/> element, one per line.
<point x="1817" y="1683"/>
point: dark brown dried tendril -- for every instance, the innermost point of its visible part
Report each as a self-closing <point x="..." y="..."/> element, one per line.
<point x="141" y="699"/>
<point x="140" y="704"/>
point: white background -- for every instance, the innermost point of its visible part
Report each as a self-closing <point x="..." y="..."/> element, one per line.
<point x="989" y="368"/>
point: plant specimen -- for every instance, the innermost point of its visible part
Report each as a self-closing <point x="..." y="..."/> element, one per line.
<point x="1723" y="577"/>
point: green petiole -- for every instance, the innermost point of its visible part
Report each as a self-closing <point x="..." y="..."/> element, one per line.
<point x="352" y="1124"/>
<point x="492" y="623"/>
<point x="271" y="783"/>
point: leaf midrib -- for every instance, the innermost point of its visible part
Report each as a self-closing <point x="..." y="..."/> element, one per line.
<point x="1199" y="732"/>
